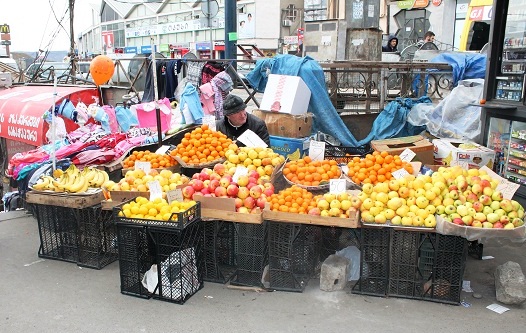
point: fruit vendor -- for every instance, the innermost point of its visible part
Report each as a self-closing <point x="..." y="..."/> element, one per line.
<point x="236" y="120"/>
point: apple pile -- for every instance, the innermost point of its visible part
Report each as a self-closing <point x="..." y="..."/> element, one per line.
<point x="262" y="160"/>
<point x="138" y="180"/>
<point x="471" y="199"/>
<point x="250" y="191"/>
<point x="336" y="205"/>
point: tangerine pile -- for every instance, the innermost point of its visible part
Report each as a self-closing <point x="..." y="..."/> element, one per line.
<point x="294" y="199"/>
<point x="307" y="172"/>
<point x="376" y="167"/>
<point x="156" y="160"/>
<point x="202" y="145"/>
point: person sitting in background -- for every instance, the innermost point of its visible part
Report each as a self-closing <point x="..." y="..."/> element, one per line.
<point x="392" y="45"/>
<point x="429" y="37"/>
<point x="236" y="121"/>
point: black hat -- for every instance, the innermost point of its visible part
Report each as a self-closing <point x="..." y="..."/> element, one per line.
<point x="233" y="104"/>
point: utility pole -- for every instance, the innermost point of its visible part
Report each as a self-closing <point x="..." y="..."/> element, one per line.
<point x="73" y="59"/>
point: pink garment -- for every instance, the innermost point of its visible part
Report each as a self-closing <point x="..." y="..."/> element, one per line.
<point x="124" y="146"/>
<point x="71" y="149"/>
<point x="207" y="98"/>
<point x="114" y="124"/>
<point x="90" y="157"/>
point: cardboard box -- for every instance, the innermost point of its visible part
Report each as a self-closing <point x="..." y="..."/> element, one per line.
<point x="417" y="143"/>
<point x="224" y="209"/>
<point x="285" y="94"/>
<point x="465" y="153"/>
<point x="289" y="147"/>
<point x="286" y="125"/>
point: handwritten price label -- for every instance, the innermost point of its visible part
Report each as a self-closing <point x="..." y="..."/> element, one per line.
<point x="400" y="173"/>
<point x="144" y="166"/>
<point x="407" y="155"/>
<point x="210" y="121"/>
<point x="337" y="186"/>
<point x="174" y="195"/>
<point x="162" y="150"/>
<point x="507" y="189"/>
<point x="317" y="150"/>
<point x="240" y="171"/>
<point x="155" y="190"/>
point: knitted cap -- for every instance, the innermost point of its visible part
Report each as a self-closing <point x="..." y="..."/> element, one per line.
<point x="233" y="104"/>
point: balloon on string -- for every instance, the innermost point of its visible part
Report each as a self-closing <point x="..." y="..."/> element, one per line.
<point x="101" y="69"/>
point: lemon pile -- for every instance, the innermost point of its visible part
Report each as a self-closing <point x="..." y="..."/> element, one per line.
<point x="158" y="209"/>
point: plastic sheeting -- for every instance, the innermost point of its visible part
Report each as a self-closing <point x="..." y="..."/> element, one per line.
<point x="465" y="65"/>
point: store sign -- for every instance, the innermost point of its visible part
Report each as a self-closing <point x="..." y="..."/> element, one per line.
<point x="202" y="46"/>
<point x="130" y="49"/>
<point x="147" y="49"/>
<point x="290" y="39"/>
<point x="437" y="2"/>
<point x="180" y="46"/>
<point x="168" y="28"/>
<point x="421" y="3"/>
<point x="481" y="13"/>
<point x="4" y="29"/>
<point x="405" y="4"/>
<point x="164" y="48"/>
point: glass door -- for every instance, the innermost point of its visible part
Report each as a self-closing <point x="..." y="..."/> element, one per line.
<point x="516" y="162"/>
<point x="498" y="140"/>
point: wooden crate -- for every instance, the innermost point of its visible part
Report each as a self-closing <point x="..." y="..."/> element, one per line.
<point x="351" y="222"/>
<point x="68" y="200"/>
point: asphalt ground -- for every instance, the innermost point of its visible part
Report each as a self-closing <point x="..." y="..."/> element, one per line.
<point x="42" y="295"/>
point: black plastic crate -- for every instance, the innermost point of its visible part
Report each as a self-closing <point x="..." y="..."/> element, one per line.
<point x="475" y="250"/>
<point x="445" y="284"/>
<point x="177" y="220"/>
<point x="179" y="259"/>
<point x="252" y="253"/>
<point x="345" y="154"/>
<point x="374" y="262"/>
<point x="219" y="250"/>
<point x="97" y="238"/>
<point x="334" y="239"/>
<point x="294" y="251"/>
<point x="57" y="227"/>
<point x="136" y="256"/>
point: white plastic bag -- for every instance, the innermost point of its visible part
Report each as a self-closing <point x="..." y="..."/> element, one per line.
<point x="353" y="254"/>
<point x="456" y="116"/>
<point x="151" y="279"/>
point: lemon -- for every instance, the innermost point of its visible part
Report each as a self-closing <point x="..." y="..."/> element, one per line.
<point x="134" y="210"/>
<point x="152" y="212"/>
<point x="143" y="210"/>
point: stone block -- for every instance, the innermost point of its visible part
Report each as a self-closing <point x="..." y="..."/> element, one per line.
<point x="510" y="284"/>
<point x="333" y="274"/>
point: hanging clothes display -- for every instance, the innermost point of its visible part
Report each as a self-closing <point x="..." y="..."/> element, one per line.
<point x="173" y="68"/>
<point x="194" y="69"/>
<point x="210" y="70"/>
<point x="222" y="85"/>
<point x="149" y="92"/>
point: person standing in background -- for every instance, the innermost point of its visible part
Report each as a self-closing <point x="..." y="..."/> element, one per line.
<point x="392" y="45"/>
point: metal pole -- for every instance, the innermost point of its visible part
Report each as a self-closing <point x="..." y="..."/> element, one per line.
<point x="210" y="27"/>
<point x="73" y="60"/>
<point x="230" y="26"/>
<point x="53" y="126"/>
<point x="156" y="96"/>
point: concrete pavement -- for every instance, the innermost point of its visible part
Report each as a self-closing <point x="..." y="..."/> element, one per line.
<point x="41" y="295"/>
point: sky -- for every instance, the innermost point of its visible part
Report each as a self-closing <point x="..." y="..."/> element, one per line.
<point x="33" y="24"/>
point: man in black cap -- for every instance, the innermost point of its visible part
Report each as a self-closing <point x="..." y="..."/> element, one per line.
<point x="236" y="120"/>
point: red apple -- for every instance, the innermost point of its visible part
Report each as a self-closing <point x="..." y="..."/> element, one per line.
<point x="261" y="202"/>
<point x="197" y="184"/>
<point x="220" y="191"/>
<point x="232" y="190"/>
<point x="195" y="175"/>
<point x="268" y="191"/>
<point x="239" y="202"/>
<point x="314" y="211"/>
<point x="249" y="202"/>
<point x="188" y="192"/>
<point x="205" y="191"/>
<point x="250" y="185"/>
<point x="214" y="183"/>
<point x="252" y="180"/>
<point x="243" y="192"/>
<point x="203" y="175"/>
<point x="253" y="174"/>
<point x="255" y="191"/>
<point x="220" y="169"/>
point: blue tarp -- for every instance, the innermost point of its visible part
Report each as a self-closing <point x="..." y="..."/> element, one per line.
<point x="465" y="65"/>
<point x="391" y="121"/>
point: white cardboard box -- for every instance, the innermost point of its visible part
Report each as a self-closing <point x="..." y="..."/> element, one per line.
<point x="466" y="153"/>
<point x="286" y="94"/>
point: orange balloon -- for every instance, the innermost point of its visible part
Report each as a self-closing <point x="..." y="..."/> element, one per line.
<point x="101" y="69"/>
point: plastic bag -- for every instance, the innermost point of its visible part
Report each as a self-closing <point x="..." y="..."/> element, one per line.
<point x="353" y="254"/>
<point x="456" y="116"/>
<point x="151" y="279"/>
<point x="444" y="227"/>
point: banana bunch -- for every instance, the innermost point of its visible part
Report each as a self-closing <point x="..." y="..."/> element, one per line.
<point x="73" y="180"/>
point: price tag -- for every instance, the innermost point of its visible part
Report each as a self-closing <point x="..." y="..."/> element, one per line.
<point x="345" y="169"/>
<point x="174" y="195"/>
<point x="155" y="190"/>
<point x="337" y="186"/>
<point x="251" y="139"/>
<point x="162" y="150"/>
<point x="507" y="189"/>
<point x="317" y="150"/>
<point x="400" y="173"/>
<point x="407" y="155"/>
<point x="210" y="121"/>
<point x="240" y="171"/>
<point x="144" y="166"/>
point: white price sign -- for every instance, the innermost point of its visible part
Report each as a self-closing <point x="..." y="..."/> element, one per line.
<point x="175" y="195"/>
<point x="507" y="189"/>
<point x="155" y="190"/>
<point x="240" y="171"/>
<point x="162" y="150"/>
<point x="400" y="173"/>
<point x="337" y="186"/>
<point x="317" y="150"/>
<point x="144" y="166"/>
<point x="407" y="155"/>
<point x="210" y="121"/>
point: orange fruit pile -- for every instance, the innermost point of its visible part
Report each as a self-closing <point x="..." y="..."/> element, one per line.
<point x="202" y="145"/>
<point x="156" y="160"/>
<point x="311" y="173"/>
<point x="375" y="168"/>
<point x="292" y="200"/>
